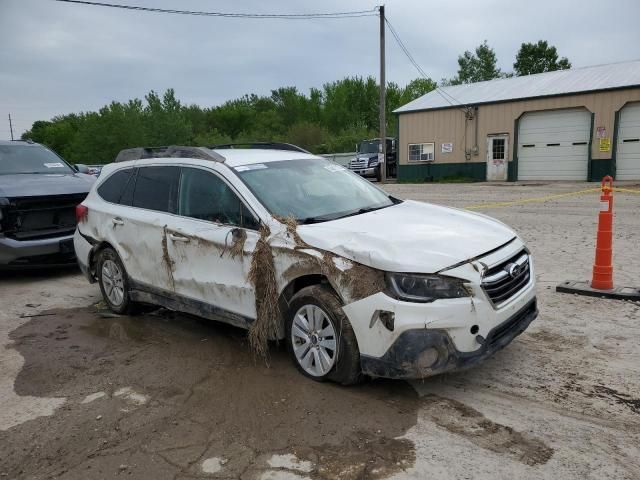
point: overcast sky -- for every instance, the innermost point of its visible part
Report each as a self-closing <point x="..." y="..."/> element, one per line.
<point x="58" y="58"/>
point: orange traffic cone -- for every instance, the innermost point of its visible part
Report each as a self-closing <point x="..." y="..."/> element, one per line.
<point x="602" y="268"/>
<point x="602" y="282"/>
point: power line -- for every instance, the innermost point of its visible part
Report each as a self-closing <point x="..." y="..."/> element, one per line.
<point x="261" y="16"/>
<point x="438" y="90"/>
<point x="404" y="49"/>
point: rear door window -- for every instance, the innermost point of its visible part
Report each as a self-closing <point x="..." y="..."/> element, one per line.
<point x="156" y="188"/>
<point x="127" y="195"/>
<point x="205" y="196"/>
<point x="113" y="187"/>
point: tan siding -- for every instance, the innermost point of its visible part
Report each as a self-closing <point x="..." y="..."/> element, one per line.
<point x="448" y="125"/>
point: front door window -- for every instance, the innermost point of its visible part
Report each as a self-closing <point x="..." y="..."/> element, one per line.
<point x="205" y="196"/>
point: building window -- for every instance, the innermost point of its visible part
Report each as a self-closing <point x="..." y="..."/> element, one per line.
<point x="421" y="152"/>
<point x="498" y="149"/>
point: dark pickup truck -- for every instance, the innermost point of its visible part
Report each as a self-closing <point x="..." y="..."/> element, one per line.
<point x="39" y="192"/>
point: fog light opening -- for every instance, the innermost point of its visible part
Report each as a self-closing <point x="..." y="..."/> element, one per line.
<point x="475" y="329"/>
<point x="428" y="358"/>
<point x="388" y="319"/>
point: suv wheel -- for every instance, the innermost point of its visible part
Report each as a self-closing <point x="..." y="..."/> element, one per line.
<point x="320" y="338"/>
<point x="112" y="278"/>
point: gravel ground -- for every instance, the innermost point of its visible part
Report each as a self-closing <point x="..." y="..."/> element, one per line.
<point x="89" y="395"/>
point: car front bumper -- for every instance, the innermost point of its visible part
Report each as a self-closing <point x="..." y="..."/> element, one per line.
<point x="48" y="252"/>
<point x="365" y="172"/>
<point x="447" y="334"/>
<point x="421" y="353"/>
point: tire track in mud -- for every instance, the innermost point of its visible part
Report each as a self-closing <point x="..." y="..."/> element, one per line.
<point x="458" y="418"/>
<point x="209" y="398"/>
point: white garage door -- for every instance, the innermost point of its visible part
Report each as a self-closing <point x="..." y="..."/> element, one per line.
<point x="554" y="145"/>
<point x="628" y="150"/>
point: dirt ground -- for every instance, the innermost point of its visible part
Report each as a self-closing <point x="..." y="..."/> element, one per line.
<point x="85" y="394"/>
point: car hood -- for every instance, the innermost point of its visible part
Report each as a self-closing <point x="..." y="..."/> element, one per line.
<point x="39" y="185"/>
<point x="409" y="237"/>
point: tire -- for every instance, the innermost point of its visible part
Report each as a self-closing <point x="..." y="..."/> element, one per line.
<point x="378" y="173"/>
<point x="310" y="345"/>
<point x="114" y="282"/>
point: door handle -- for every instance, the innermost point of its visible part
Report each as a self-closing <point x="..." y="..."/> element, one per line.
<point x="117" y="221"/>
<point x="178" y="238"/>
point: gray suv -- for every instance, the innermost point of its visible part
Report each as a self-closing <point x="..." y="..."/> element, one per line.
<point x="39" y="192"/>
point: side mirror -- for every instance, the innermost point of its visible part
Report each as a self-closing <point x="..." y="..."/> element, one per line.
<point x="81" y="168"/>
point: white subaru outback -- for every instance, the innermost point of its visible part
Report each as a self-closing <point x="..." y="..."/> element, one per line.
<point x="291" y="246"/>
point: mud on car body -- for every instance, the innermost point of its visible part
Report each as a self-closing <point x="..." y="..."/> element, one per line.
<point x="38" y="195"/>
<point x="291" y="246"/>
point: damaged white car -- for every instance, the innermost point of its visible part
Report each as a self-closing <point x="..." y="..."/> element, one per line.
<point x="291" y="246"/>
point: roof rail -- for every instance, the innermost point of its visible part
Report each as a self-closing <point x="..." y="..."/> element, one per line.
<point x="172" y="151"/>
<point x="261" y="145"/>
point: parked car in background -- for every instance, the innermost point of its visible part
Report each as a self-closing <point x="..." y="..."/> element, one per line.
<point x="284" y="242"/>
<point x="366" y="163"/>
<point x="38" y="195"/>
<point x="94" y="170"/>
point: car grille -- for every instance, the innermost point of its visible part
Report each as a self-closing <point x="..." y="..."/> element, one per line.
<point x="33" y="218"/>
<point x="503" y="281"/>
<point x="358" y="164"/>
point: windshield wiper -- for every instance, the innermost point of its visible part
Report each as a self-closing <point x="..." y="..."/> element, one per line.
<point x="326" y="218"/>
<point x="309" y="220"/>
<point x="361" y="211"/>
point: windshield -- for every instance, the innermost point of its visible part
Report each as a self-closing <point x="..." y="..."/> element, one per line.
<point x="16" y="159"/>
<point x="370" y="146"/>
<point x="312" y="190"/>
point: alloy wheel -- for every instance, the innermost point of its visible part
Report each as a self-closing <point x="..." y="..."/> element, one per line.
<point x="113" y="282"/>
<point x="314" y="340"/>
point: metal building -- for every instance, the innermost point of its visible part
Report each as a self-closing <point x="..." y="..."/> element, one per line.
<point x="577" y="124"/>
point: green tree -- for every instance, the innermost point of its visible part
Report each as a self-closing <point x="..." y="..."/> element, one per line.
<point x="333" y="118"/>
<point x="165" y="120"/>
<point x="477" y="66"/>
<point x="349" y="102"/>
<point x="417" y="88"/>
<point x="538" y="58"/>
<point x="307" y="135"/>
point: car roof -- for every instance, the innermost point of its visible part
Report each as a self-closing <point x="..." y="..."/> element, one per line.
<point x="235" y="157"/>
<point x="19" y="142"/>
<point x="231" y="157"/>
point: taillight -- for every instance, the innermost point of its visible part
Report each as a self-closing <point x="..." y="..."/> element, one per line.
<point x="82" y="213"/>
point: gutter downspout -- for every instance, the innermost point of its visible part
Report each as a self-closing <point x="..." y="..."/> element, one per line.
<point x="476" y="150"/>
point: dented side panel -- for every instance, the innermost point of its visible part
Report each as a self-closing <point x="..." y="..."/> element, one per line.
<point x="211" y="262"/>
<point x="135" y="234"/>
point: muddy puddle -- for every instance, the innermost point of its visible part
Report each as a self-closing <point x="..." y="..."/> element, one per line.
<point x="206" y="396"/>
<point x="173" y="394"/>
<point x="120" y="328"/>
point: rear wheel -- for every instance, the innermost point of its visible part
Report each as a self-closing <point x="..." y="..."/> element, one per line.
<point x="113" y="281"/>
<point x="320" y="338"/>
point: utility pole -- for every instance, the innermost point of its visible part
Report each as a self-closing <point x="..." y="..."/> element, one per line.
<point x="10" y="127"/>
<point x="383" y="120"/>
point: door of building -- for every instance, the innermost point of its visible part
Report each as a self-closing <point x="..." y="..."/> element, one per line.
<point x="497" y="157"/>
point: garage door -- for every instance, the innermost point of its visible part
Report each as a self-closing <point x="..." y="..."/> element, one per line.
<point x="628" y="149"/>
<point x="554" y="145"/>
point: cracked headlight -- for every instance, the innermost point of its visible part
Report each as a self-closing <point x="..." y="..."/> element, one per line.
<point x="424" y="288"/>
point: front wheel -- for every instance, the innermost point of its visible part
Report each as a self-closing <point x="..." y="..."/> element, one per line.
<point x="320" y="338"/>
